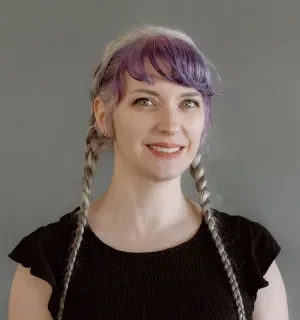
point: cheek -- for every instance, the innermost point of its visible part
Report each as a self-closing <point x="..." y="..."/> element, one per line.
<point x="195" y="129"/>
<point x="130" y="126"/>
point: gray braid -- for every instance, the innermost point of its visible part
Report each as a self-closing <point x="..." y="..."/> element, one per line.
<point x="197" y="173"/>
<point x="95" y="143"/>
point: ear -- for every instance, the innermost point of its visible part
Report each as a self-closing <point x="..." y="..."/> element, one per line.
<point x="99" y="110"/>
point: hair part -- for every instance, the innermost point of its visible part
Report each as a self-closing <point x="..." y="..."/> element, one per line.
<point x="188" y="67"/>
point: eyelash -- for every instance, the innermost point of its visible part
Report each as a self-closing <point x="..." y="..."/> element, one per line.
<point x="194" y="101"/>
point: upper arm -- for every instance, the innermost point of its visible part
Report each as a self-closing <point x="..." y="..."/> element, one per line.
<point x="29" y="297"/>
<point x="271" y="301"/>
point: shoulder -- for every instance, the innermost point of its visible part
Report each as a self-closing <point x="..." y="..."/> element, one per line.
<point x="233" y="218"/>
<point x="45" y="250"/>
<point x="235" y="226"/>
<point x="59" y="230"/>
<point x="246" y="231"/>
<point x="251" y="245"/>
<point x="54" y="233"/>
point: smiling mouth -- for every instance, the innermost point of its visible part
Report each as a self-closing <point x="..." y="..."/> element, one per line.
<point x="164" y="149"/>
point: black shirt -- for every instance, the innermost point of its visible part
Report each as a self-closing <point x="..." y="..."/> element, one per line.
<point x="187" y="281"/>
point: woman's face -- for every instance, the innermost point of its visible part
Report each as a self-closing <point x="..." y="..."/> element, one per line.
<point x="161" y="113"/>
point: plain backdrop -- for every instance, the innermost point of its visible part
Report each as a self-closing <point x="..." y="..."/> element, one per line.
<point x="48" y="52"/>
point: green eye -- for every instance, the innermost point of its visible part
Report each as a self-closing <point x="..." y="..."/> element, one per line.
<point x="143" y="102"/>
<point x="190" y="104"/>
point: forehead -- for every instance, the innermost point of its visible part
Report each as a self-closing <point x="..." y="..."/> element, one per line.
<point x="152" y="71"/>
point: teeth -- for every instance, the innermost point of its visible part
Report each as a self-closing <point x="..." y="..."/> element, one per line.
<point x="167" y="150"/>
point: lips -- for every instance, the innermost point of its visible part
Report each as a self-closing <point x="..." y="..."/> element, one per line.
<point x="165" y="152"/>
<point x="165" y="145"/>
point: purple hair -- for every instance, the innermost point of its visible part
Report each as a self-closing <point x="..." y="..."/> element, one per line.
<point x="187" y="65"/>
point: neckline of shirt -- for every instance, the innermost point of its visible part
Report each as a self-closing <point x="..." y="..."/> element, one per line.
<point x="97" y="242"/>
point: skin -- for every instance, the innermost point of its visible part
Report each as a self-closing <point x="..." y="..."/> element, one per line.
<point x="271" y="302"/>
<point x="153" y="202"/>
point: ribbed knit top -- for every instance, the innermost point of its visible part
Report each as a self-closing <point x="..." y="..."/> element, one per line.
<point x="187" y="281"/>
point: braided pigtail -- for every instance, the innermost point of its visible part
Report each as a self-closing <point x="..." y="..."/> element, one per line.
<point x="95" y="142"/>
<point x="197" y="172"/>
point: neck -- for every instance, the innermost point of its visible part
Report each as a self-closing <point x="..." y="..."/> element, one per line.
<point x="142" y="205"/>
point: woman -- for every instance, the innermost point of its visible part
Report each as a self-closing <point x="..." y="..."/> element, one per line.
<point x="143" y="250"/>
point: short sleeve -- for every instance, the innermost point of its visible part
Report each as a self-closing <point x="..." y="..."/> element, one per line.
<point x="30" y="253"/>
<point x="263" y="251"/>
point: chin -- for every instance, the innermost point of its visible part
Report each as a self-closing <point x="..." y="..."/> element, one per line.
<point x="160" y="176"/>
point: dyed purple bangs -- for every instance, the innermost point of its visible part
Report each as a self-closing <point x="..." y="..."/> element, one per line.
<point x="187" y="66"/>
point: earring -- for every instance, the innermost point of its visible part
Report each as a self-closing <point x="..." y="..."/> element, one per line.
<point x="105" y="134"/>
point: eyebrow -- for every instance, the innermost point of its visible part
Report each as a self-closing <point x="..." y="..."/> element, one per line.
<point x="156" y="94"/>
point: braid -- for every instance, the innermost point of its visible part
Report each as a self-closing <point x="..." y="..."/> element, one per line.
<point x="197" y="173"/>
<point x="95" y="143"/>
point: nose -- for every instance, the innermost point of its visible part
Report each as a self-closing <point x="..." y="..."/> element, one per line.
<point x="168" y="122"/>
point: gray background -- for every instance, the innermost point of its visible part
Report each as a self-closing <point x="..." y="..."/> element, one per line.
<point x="49" y="50"/>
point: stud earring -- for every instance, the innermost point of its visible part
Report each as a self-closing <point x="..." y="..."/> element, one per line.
<point x="105" y="134"/>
